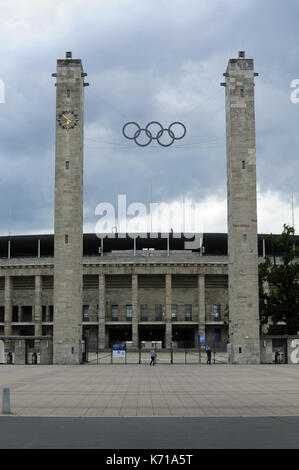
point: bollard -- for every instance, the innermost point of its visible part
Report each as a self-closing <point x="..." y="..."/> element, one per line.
<point x="6" y="401"/>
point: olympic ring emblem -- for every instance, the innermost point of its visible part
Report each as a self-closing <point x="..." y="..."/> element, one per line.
<point x="149" y="134"/>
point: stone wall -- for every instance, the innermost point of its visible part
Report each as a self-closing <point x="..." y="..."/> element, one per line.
<point x="122" y="296"/>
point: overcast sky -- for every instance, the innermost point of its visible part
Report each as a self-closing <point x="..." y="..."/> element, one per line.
<point x="147" y="60"/>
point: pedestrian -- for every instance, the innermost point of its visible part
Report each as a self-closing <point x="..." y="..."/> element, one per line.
<point x="153" y="358"/>
<point x="209" y="354"/>
<point x="34" y="358"/>
<point x="277" y="358"/>
<point x="9" y="358"/>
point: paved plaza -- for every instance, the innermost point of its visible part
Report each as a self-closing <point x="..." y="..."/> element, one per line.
<point x="165" y="390"/>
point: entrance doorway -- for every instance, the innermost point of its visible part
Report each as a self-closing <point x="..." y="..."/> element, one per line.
<point x="280" y="350"/>
<point x="152" y="334"/>
<point x="119" y="335"/>
<point x="183" y="336"/>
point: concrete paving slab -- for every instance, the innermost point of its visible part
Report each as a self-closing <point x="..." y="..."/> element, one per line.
<point x="141" y="390"/>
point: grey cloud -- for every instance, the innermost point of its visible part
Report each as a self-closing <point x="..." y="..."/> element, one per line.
<point x="142" y="59"/>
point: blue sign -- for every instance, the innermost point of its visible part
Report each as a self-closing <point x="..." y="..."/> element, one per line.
<point x="119" y="347"/>
<point x="119" y="350"/>
<point x="202" y="338"/>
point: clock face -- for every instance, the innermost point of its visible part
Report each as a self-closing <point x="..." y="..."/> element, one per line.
<point x="67" y="119"/>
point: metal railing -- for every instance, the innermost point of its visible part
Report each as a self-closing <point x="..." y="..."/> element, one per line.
<point x="212" y="317"/>
<point x="120" y="317"/>
<point x="150" y="314"/>
<point x="164" y="356"/>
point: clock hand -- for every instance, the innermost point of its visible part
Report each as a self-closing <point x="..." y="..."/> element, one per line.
<point x="68" y="120"/>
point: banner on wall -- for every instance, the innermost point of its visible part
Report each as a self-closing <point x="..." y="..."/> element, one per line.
<point x="119" y="350"/>
<point x="201" y="339"/>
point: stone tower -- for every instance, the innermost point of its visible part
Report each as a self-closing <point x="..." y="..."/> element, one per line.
<point x="242" y="212"/>
<point x="68" y="230"/>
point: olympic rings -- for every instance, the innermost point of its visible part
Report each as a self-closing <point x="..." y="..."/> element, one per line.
<point x="149" y="134"/>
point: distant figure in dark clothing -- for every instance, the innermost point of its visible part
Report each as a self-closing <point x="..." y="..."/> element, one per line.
<point x="277" y="358"/>
<point x="9" y="358"/>
<point x="209" y="354"/>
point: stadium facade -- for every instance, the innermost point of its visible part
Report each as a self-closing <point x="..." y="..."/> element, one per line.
<point x="62" y="288"/>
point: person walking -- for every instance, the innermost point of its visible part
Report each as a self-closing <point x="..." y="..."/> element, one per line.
<point x="9" y="358"/>
<point x="209" y="354"/>
<point x="277" y="358"/>
<point x="153" y="358"/>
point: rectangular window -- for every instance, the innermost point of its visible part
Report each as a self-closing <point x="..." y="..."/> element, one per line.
<point x="27" y="313"/>
<point x="242" y="92"/>
<point x="243" y="165"/>
<point x="174" y="310"/>
<point x="188" y="312"/>
<point x="143" y="312"/>
<point x="15" y="313"/>
<point x="67" y="165"/>
<point x="217" y="312"/>
<point x="66" y="239"/>
<point x="114" y="312"/>
<point x="158" y="312"/>
<point x="85" y="312"/>
<point x="128" y="312"/>
<point x="68" y="93"/>
<point x="44" y="313"/>
<point x="51" y="312"/>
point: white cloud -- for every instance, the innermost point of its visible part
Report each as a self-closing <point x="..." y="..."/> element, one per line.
<point x="274" y="211"/>
<point x="208" y="216"/>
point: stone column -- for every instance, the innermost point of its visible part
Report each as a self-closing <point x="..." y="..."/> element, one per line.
<point x="135" y="336"/>
<point x="243" y="288"/>
<point x="38" y="306"/>
<point x="20" y="352"/>
<point x="107" y="339"/>
<point x="93" y="312"/>
<point x="68" y="215"/>
<point x="168" y="325"/>
<point x="201" y="304"/>
<point x="102" y="308"/>
<point x="8" y="306"/>
<point x="19" y="313"/>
